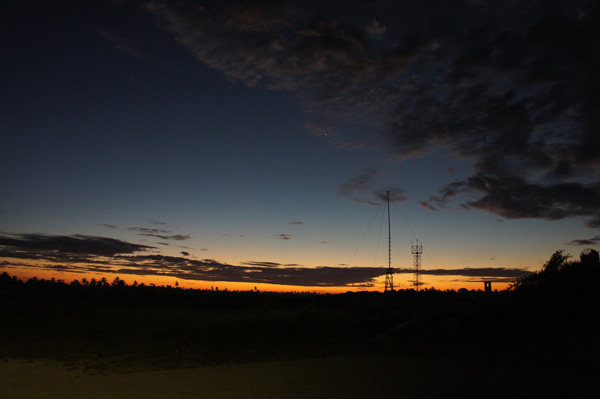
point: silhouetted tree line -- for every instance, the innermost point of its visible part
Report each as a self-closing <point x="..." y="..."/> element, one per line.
<point x="564" y="278"/>
<point x="8" y="281"/>
<point x="559" y="277"/>
<point x="118" y="285"/>
<point x="119" y="289"/>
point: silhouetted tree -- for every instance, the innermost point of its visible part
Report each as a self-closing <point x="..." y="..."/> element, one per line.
<point x="75" y="283"/>
<point x="33" y="282"/>
<point x="6" y="281"/>
<point x="557" y="262"/>
<point x="118" y="283"/>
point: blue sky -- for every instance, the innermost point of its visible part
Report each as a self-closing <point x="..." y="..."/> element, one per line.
<point x="265" y="132"/>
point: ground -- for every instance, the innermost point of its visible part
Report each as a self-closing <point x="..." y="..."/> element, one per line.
<point x="171" y="343"/>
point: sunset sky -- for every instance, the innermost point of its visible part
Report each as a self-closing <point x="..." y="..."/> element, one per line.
<point x="246" y="144"/>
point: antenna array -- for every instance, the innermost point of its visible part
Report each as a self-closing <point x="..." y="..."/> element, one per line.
<point x="417" y="250"/>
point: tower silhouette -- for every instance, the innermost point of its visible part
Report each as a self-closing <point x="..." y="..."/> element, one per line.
<point x="389" y="275"/>
<point x="417" y="250"/>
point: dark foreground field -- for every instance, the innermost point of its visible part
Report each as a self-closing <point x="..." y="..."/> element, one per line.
<point x="163" y="343"/>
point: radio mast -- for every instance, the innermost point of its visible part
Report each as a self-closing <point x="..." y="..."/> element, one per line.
<point x="389" y="275"/>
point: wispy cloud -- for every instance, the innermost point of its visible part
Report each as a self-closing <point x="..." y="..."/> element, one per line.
<point x="157" y="222"/>
<point x="123" y="44"/>
<point x="176" y="237"/>
<point x="361" y="189"/>
<point x="269" y="264"/>
<point x="146" y="230"/>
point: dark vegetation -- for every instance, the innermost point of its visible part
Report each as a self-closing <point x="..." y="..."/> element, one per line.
<point x="546" y="326"/>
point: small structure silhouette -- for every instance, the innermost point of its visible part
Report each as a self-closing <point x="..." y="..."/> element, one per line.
<point x="488" y="286"/>
<point x="589" y="256"/>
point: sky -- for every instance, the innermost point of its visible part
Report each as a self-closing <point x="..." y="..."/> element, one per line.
<point x="250" y="144"/>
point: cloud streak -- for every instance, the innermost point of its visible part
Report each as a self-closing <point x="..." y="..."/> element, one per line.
<point x="159" y="233"/>
<point x="123" y="44"/>
<point x="110" y="226"/>
<point x="585" y="241"/>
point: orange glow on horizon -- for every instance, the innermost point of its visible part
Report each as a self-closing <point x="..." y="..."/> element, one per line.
<point x="439" y="284"/>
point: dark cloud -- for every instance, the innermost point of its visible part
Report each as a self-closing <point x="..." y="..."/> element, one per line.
<point x="77" y="244"/>
<point x="284" y="236"/>
<point x="261" y="272"/>
<point x="327" y="62"/>
<point x="515" y="197"/>
<point x="184" y="253"/>
<point x="510" y="86"/>
<point x="589" y="241"/>
<point x="62" y="268"/>
<point x="517" y="100"/>
<point x="295" y="223"/>
<point x="360" y="189"/>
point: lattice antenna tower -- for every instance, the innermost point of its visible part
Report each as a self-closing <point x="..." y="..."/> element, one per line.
<point x="417" y="250"/>
<point x="389" y="275"/>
